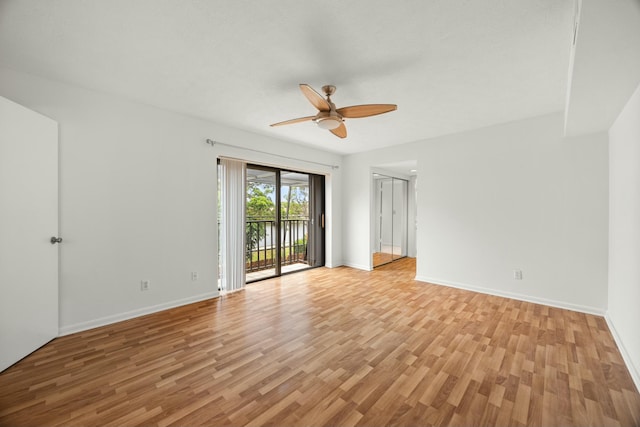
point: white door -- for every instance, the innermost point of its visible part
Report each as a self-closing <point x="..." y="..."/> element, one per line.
<point x="28" y="220"/>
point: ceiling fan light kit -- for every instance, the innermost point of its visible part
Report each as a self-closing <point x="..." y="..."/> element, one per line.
<point x="329" y="122"/>
<point x="329" y="117"/>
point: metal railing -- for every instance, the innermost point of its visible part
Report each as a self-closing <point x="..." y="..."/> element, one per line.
<point x="261" y="243"/>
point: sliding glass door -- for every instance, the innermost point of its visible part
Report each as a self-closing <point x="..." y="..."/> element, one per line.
<point x="261" y="223"/>
<point x="284" y="222"/>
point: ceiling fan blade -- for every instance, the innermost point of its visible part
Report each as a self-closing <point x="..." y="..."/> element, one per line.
<point x="292" y="121"/>
<point x="365" y="110"/>
<point x="314" y="97"/>
<point x="340" y="131"/>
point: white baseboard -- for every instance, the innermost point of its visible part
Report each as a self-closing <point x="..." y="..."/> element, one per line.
<point x="513" y="295"/>
<point x="628" y="360"/>
<point x="233" y="291"/>
<point x="358" y="266"/>
<point x="108" y="320"/>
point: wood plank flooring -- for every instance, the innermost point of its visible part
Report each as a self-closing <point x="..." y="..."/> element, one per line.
<point x="334" y="347"/>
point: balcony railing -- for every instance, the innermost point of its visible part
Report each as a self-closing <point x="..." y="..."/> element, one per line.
<point x="261" y="243"/>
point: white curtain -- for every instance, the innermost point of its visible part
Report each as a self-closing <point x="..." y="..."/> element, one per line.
<point x="232" y="224"/>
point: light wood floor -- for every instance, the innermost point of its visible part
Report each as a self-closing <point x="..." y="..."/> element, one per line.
<point x="333" y="347"/>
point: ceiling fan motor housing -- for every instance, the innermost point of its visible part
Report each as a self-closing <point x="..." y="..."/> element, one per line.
<point x="329" y="89"/>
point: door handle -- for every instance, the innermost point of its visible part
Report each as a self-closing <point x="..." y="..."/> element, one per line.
<point x="55" y="240"/>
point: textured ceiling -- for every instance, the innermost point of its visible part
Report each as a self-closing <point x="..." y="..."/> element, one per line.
<point x="450" y="65"/>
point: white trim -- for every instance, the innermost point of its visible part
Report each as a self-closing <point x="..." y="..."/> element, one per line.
<point x="224" y="293"/>
<point x="358" y="266"/>
<point x="108" y="320"/>
<point x="213" y="144"/>
<point x="512" y="295"/>
<point x="628" y="360"/>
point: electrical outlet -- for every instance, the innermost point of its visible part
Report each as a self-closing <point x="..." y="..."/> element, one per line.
<point x="145" y="284"/>
<point x="517" y="274"/>
<point x="194" y="276"/>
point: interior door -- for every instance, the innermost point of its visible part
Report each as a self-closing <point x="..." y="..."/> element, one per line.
<point x="28" y="221"/>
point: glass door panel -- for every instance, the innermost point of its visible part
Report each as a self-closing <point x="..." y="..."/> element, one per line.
<point x="261" y="224"/>
<point x="294" y="220"/>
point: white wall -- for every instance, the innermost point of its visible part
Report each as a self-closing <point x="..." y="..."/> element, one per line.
<point x="138" y="199"/>
<point x="357" y="202"/>
<point x="624" y="233"/>
<point x="513" y="196"/>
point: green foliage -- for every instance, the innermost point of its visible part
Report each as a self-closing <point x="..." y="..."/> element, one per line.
<point x="295" y="202"/>
<point x="300" y="246"/>
<point x="259" y="204"/>
<point x="259" y="207"/>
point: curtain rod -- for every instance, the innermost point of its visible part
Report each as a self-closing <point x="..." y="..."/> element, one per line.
<point x="212" y="143"/>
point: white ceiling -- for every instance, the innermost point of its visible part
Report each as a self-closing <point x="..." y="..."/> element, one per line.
<point x="450" y="65"/>
<point x="606" y="69"/>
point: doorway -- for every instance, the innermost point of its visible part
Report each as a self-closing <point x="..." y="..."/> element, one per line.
<point x="391" y="219"/>
<point x="284" y="222"/>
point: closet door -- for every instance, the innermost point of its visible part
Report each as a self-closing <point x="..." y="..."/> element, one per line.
<point x="383" y="213"/>
<point x="399" y="218"/>
<point x="390" y="217"/>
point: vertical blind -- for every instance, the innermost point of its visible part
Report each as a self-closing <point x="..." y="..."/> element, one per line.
<point x="232" y="224"/>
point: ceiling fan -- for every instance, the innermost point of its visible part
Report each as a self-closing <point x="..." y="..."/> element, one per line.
<point x="331" y="118"/>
